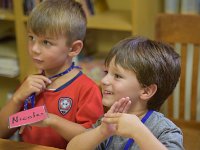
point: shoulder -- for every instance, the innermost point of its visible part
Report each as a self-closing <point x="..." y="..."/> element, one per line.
<point x="158" y="119"/>
<point x="165" y="130"/>
<point x="80" y="82"/>
<point x="86" y="82"/>
<point x="158" y="122"/>
<point x="88" y="92"/>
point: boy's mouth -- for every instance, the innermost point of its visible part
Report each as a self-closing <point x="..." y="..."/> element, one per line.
<point x="107" y="92"/>
<point x="37" y="60"/>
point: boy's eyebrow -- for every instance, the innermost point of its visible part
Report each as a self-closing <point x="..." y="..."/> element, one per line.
<point x="45" y="37"/>
<point x="49" y="38"/>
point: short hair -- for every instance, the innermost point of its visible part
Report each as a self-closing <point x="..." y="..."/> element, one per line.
<point x="58" y="17"/>
<point x="153" y="62"/>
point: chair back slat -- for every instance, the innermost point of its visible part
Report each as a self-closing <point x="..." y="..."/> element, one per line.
<point x="194" y="82"/>
<point x="182" y="81"/>
<point x="170" y="110"/>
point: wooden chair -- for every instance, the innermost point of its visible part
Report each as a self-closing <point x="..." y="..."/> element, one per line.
<point x="183" y="106"/>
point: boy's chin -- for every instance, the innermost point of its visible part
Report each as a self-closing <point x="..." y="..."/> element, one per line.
<point x="107" y="103"/>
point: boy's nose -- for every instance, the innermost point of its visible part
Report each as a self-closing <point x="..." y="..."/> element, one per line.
<point x="36" y="48"/>
<point x="105" y="80"/>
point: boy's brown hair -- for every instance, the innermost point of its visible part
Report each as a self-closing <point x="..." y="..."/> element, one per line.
<point x="58" y="17"/>
<point x="153" y="63"/>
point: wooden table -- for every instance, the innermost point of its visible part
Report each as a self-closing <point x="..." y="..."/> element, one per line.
<point x="12" y="145"/>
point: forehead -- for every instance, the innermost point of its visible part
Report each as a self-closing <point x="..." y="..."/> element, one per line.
<point x="114" y="66"/>
<point x="48" y="37"/>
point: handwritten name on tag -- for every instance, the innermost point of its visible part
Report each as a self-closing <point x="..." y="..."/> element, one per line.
<point x="29" y="116"/>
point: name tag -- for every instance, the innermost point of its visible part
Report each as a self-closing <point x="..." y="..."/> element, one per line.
<point x="29" y="116"/>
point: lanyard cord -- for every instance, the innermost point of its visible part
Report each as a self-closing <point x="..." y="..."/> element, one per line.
<point x="66" y="71"/>
<point x="130" y="140"/>
<point x="31" y="98"/>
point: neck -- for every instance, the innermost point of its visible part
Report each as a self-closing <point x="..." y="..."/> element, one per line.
<point x="52" y="72"/>
<point x="63" y="77"/>
<point x="138" y="108"/>
<point x="140" y="112"/>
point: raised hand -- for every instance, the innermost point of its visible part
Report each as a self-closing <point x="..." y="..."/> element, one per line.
<point x="43" y="123"/>
<point x="126" y="124"/>
<point x="120" y="106"/>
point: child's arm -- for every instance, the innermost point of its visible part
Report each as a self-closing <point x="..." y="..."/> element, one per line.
<point x="130" y="126"/>
<point x="87" y="140"/>
<point x="90" y="139"/>
<point x="67" y="129"/>
<point x="32" y="84"/>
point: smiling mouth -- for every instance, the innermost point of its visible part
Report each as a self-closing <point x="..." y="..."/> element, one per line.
<point x="107" y="92"/>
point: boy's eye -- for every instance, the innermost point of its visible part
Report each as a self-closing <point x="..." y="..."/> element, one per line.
<point x="105" y="72"/>
<point x="31" y="38"/>
<point x="117" y="76"/>
<point x="45" y="42"/>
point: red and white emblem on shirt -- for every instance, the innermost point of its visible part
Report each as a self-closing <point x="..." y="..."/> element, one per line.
<point x="64" y="105"/>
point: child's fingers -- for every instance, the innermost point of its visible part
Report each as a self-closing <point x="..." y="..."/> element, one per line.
<point x="111" y="118"/>
<point x="126" y="106"/>
<point x="113" y="108"/>
<point x="45" y="79"/>
<point x="42" y="80"/>
<point x="117" y="107"/>
<point x="21" y="129"/>
<point x="120" y="105"/>
<point x="38" y="83"/>
<point x="39" y="78"/>
<point x="112" y="115"/>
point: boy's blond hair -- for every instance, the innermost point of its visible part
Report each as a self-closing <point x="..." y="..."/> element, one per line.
<point x="58" y="18"/>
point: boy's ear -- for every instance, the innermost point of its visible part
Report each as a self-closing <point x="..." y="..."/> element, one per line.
<point x="76" y="48"/>
<point x="148" y="92"/>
